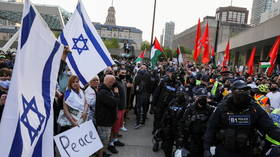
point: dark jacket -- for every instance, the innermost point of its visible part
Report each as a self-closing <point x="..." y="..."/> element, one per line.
<point x="122" y="92"/>
<point x="106" y="107"/>
<point x="224" y="118"/>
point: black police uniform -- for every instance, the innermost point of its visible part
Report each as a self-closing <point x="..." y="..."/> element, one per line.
<point x="162" y="96"/>
<point x="193" y="125"/>
<point x="234" y="130"/>
<point x="170" y="122"/>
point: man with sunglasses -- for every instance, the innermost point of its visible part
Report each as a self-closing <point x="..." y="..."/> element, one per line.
<point x="234" y="124"/>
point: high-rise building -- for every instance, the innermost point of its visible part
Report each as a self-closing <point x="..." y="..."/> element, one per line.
<point x="259" y="7"/>
<point x="168" y="34"/>
<point x="274" y="11"/>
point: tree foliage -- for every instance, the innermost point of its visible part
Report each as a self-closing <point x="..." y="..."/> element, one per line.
<point x="111" y="43"/>
<point x="145" y="45"/>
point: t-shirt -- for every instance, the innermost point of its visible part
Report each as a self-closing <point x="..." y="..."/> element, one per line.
<point x="274" y="99"/>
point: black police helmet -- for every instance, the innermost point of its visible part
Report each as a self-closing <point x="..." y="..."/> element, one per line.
<point x="240" y="84"/>
<point x="200" y="92"/>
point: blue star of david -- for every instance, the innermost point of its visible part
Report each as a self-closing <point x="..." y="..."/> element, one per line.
<point x="76" y="41"/>
<point x="28" y="107"/>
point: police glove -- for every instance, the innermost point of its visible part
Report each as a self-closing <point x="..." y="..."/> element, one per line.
<point x="207" y="153"/>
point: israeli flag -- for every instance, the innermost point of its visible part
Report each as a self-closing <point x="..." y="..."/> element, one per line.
<point x="89" y="55"/>
<point x="26" y="129"/>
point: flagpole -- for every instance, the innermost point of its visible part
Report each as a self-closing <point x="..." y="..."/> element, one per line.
<point x="152" y="35"/>
<point x="216" y="40"/>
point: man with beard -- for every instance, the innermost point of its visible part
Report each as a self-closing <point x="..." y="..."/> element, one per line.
<point x="233" y="125"/>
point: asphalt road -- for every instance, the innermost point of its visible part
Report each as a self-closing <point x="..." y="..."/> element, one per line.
<point x="138" y="141"/>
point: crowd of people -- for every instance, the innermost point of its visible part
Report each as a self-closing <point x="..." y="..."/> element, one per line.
<point x="195" y="107"/>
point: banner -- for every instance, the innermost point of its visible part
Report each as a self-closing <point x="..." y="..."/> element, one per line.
<point x="80" y="141"/>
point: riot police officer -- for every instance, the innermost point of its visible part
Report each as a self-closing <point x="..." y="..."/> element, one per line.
<point x="234" y="123"/>
<point x="170" y="120"/>
<point x="194" y="122"/>
<point x="163" y="94"/>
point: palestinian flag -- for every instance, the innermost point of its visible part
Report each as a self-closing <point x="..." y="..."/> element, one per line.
<point x="140" y="57"/>
<point x="155" y="52"/>
<point x="264" y="64"/>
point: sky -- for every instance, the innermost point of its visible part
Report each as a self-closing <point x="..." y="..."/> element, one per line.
<point x="138" y="13"/>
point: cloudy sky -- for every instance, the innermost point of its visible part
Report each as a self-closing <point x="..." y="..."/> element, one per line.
<point x="138" y="13"/>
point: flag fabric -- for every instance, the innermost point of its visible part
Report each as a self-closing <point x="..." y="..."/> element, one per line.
<point x="250" y="64"/>
<point x="226" y="56"/>
<point x="273" y="56"/>
<point x="89" y="55"/>
<point x="197" y="42"/>
<point x="140" y="57"/>
<point x="26" y="127"/>
<point x="264" y="64"/>
<point x="155" y="52"/>
<point x="205" y="45"/>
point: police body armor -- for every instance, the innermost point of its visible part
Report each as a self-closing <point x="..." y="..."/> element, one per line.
<point x="171" y="119"/>
<point x="167" y="93"/>
<point x="237" y="133"/>
<point x="198" y="119"/>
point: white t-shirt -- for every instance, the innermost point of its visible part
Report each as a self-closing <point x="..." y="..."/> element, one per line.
<point x="274" y="99"/>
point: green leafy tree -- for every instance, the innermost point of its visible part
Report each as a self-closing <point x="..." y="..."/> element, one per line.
<point x="145" y="45"/>
<point x="111" y="43"/>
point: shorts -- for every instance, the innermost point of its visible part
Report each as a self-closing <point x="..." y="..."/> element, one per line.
<point x="104" y="134"/>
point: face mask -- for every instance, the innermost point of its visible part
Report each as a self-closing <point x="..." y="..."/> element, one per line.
<point x="122" y="76"/>
<point x="69" y="73"/>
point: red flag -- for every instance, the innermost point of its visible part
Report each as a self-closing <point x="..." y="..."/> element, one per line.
<point x="205" y="45"/>
<point x="196" y="44"/>
<point x="250" y="63"/>
<point x="142" y="54"/>
<point x="156" y="45"/>
<point x="226" y="56"/>
<point x="273" y="56"/>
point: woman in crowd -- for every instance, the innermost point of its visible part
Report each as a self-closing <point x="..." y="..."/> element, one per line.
<point x="75" y="106"/>
<point x="90" y="94"/>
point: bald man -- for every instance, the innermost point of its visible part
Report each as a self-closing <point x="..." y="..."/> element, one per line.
<point x="106" y="110"/>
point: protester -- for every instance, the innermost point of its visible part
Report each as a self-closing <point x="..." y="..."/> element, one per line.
<point x="274" y="96"/>
<point x="106" y="110"/>
<point x="90" y="94"/>
<point x="75" y="106"/>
